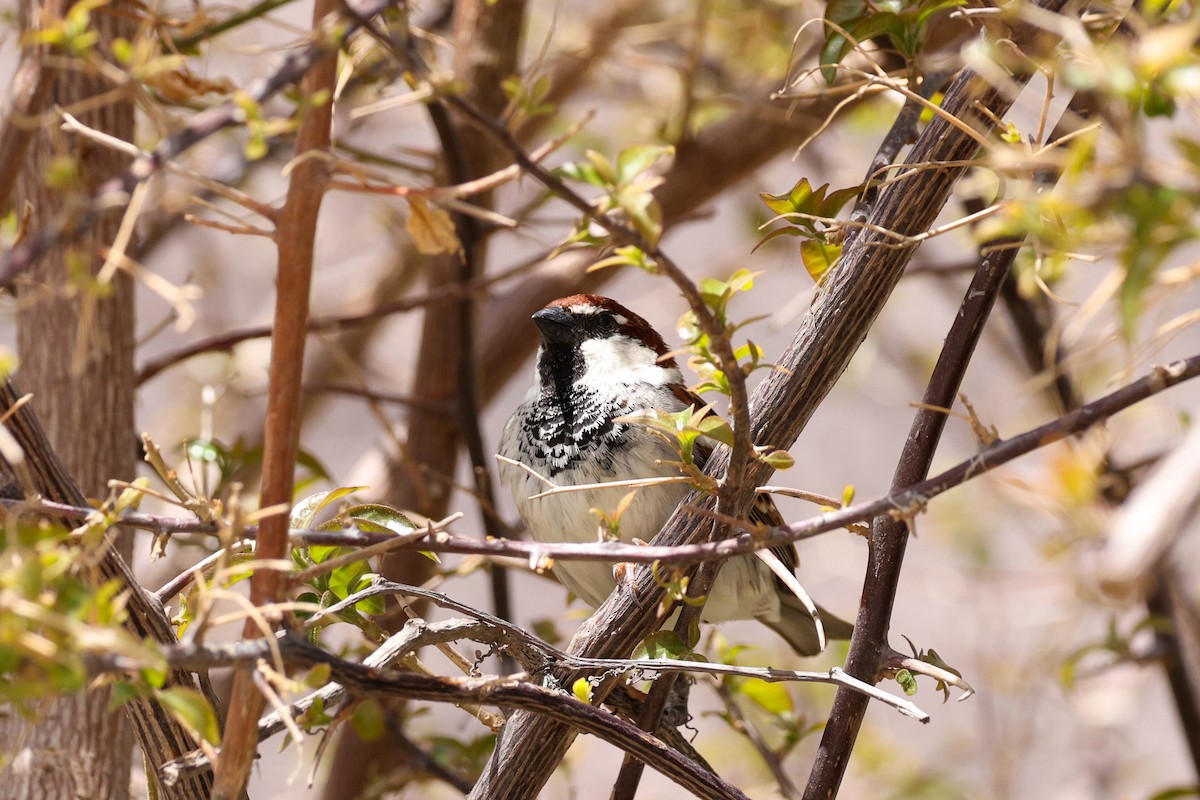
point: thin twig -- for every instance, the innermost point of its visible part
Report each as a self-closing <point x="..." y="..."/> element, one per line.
<point x="906" y="501"/>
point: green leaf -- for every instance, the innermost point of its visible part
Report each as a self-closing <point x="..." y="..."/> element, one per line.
<point x="907" y="681"/>
<point x="741" y="281"/>
<point x="818" y="258"/>
<point x="131" y="496"/>
<point x="663" y="644"/>
<point x="880" y="24"/>
<point x="314" y="716"/>
<point x="368" y="720"/>
<point x="304" y="512"/>
<point x="928" y="9"/>
<point x="581" y="172"/>
<point x="840" y="12"/>
<point x="643" y="211"/>
<point x="372" y="605"/>
<point x="770" y="697"/>
<point x="831" y="205"/>
<point x="633" y="161"/>
<point x="344" y="580"/>
<point x="603" y="167"/>
<point x="778" y="459"/>
<point x="193" y="710"/>
<point x="716" y="428"/>
<point x="317" y="676"/>
<point x="798" y="199"/>
<point x="627" y="256"/>
<point x="379" y="518"/>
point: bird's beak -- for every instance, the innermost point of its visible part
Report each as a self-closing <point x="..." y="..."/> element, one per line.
<point x="556" y="325"/>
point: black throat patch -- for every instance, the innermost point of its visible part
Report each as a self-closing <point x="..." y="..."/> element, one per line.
<point x="571" y="423"/>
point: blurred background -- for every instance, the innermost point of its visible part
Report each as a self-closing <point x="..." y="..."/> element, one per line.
<point x="1000" y="577"/>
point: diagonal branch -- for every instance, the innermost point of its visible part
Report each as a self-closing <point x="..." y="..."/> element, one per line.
<point x="160" y="735"/>
<point x="889" y="533"/>
<point x="907" y="501"/>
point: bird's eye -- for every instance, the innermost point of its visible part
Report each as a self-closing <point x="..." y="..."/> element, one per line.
<point x="606" y="322"/>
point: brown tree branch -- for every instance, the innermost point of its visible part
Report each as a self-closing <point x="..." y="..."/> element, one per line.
<point x="913" y="498"/>
<point x="889" y="533"/>
<point x="295" y="236"/>
<point x="1181" y="645"/>
<point x="363" y="681"/>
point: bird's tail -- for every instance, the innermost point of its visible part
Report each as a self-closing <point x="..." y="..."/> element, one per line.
<point x="796" y="626"/>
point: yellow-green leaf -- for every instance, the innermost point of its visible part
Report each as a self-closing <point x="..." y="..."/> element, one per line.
<point x="306" y="510"/>
<point x="190" y="708"/>
<point x="431" y="228"/>
<point x="819" y="257"/>
<point x="771" y="697"/>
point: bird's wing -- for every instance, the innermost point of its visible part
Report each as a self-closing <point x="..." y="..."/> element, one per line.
<point x="764" y="511"/>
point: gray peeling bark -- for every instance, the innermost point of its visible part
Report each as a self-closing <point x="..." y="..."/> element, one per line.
<point x="532" y="746"/>
<point x="76" y="352"/>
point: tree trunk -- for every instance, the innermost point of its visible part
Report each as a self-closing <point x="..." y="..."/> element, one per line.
<point x="76" y="351"/>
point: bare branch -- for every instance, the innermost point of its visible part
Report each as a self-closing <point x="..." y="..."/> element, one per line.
<point x="907" y="501"/>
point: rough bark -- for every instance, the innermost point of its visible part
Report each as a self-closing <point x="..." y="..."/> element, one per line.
<point x="76" y="350"/>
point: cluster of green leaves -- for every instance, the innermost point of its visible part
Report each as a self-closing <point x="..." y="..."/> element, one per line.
<point x="810" y="214"/>
<point x="1100" y="208"/>
<point x="339" y="583"/>
<point x="675" y="580"/>
<point x="53" y="619"/>
<point x="73" y="32"/>
<point x="904" y="24"/>
<point x="684" y="429"/>
<point x="717" y="295"/>
<point x="260" y="127"/>
<point x="627" y="187"/>
<point x="908" y="681"/>
<point x="49" y="615"/>
<point x="1126" y="192"/>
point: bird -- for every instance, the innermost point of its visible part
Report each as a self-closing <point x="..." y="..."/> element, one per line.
<point x="597" y="363"/>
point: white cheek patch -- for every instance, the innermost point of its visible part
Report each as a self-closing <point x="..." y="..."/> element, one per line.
<point x="622" y="360"/>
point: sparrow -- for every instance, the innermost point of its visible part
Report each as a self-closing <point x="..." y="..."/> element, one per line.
<point x="597" y="363"/>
